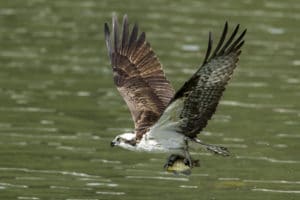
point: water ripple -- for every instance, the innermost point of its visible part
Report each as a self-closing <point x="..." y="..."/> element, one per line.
<point x="249" y="84"/>
<point x="76" y="174"/>
<point x="296" y="63"/>
<point x="30" y="178"/>
<point x="83" y="199"/>
<point x="59" y="187"/>
<point x="287" y="111"/>
<point x="228" y="179"/>
<point x="28" y="198"/>
<point x="76" y="149"/>
<point x="243" y="146"/>
<point x="189" y="186"/>
<point x="280" y="145"/>
<point x="41" y="129"/>
<point x="272" y="181"/>
<point x="27" y="109"/>
<point x="61" y="137"/>
<point x="272" y="160"/>
<point x="276" y="191"/>
<point x="102" y="184"/>
<point x="190" y="47"/>
<point x="222" y="118"/>
<point x="234" y="139"/>
<point x="288" y="135"/>
<point x="262" y="96"/>
<point x="110" y="193"/>
<point x="106" y="161"/>
<point x="158" y="178"/>
<point x="242" y="104"/>
<point x="13" y="185"/>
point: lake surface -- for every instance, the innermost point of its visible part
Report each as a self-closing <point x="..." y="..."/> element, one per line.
<point x="59" y="108"/>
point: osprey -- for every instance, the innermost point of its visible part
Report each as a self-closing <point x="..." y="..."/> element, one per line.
<point x="165" y="120"/>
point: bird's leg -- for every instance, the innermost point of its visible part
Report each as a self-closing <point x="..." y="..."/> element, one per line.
<point x="187" y="155"/>
<point x="213" y="148"/>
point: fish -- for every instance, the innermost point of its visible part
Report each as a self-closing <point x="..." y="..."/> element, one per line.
<point x="178" y="165"/>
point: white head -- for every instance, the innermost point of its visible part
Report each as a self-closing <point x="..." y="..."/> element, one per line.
<point x="125" y="140"/>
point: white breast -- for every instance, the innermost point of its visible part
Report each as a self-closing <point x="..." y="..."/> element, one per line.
<point x="163" y="135"/>
<point x="162" y="141"/>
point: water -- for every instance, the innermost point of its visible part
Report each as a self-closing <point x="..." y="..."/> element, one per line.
<point x="60" y="110"/>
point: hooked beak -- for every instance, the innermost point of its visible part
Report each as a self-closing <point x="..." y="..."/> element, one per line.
<point x="112" y="144"/>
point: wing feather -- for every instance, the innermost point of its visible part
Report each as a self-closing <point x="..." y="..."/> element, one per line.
<point x="108" y="40"/>
<point x="200" y="95"/>
<point x="221" y="41"/>
<point x="116" y="33"/>
<point x="230" y="39"/>
<point x="210" y="42"/>
<point x="125" y="36"/>
<point x="138" y="75"/>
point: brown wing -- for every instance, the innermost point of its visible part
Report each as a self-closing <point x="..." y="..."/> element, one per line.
<point x="138" y="75"/>
<point x="202" y="92"/>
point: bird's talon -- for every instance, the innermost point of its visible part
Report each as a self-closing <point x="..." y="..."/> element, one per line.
<point x="171" y="160"/>
<point x="186" y="162"/>
<point x="218" y="150"/>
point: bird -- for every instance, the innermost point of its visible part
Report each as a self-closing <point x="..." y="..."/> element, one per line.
<point x="165" y="120"/>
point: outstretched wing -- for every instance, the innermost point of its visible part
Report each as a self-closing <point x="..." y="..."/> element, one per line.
<point x="138" y="75"/>
<point x="196" y="101"/>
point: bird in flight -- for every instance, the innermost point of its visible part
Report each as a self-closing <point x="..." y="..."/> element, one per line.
<point x="167" y="121"/>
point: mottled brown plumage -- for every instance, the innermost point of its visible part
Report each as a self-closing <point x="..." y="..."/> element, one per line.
<point x="202" y="92"/>
<point x="138" y="75"/>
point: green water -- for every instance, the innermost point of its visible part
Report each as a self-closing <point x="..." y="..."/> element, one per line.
<point x="59" y="108"/>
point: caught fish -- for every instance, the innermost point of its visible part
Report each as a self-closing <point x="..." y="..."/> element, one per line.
<point x="178" y="165"/>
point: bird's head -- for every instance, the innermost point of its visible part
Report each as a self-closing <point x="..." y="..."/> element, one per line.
<point x="125" y="140"/>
